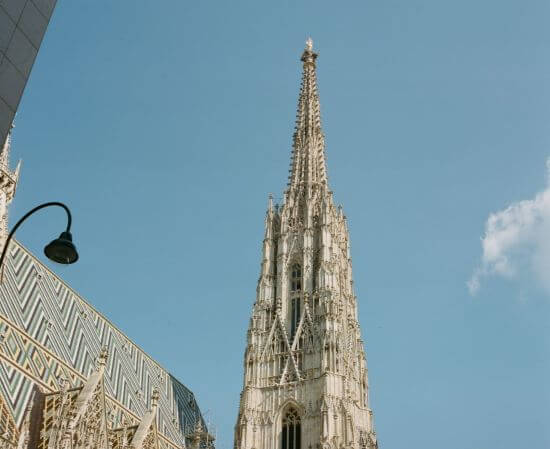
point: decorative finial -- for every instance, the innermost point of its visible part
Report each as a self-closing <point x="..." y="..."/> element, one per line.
<point x="309" y="56"/>
<point x="5" y="152"/>
<point x="155" y="396"/>
<point x="102" y="357"/>
<point x="198" y="426"/>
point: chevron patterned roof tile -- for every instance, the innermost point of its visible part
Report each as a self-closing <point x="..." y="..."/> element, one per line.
<point x="54" y="333"/>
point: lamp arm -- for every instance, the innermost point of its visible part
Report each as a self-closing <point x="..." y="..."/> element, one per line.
<point x="27" y="215"/>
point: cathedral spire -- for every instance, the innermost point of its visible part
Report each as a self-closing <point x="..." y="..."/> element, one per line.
<point x="308" y="164"/>
<point x="305" y="372"/>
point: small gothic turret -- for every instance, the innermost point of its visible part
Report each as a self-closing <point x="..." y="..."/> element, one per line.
<point x="8" y="184"/>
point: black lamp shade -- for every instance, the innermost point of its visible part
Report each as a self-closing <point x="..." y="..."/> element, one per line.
<point x="62" y="249"/>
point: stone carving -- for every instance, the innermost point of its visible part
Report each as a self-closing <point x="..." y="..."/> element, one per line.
<point x="79" y="418"/>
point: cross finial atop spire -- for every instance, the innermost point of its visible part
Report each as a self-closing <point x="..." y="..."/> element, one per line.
<point x="309" y="44"/>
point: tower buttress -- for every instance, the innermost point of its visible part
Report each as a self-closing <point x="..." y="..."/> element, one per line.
<point x="305" y="373"/>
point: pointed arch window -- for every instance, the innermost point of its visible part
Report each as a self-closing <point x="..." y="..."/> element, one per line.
<point x="296" y="288"/>
<point x="291" y="435"/>
<point x="296" y="278"/>
<point x="295" y="316"/>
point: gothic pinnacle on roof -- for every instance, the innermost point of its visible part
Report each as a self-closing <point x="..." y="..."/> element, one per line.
<point x="308" y="154"/>
<point x="8" y="178"/>
<point x="5" y="153"/>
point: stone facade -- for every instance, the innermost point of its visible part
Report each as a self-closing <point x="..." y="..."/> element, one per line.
<point x="305" y="371"/>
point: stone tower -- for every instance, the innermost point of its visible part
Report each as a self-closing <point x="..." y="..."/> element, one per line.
<point x="305" y="372"/>
<point x="8" y="183"/>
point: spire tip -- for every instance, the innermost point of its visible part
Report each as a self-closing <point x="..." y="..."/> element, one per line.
<point x="309" y="44"/>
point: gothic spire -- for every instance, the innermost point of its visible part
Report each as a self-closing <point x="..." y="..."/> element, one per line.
<point x="308" y="164"/>
<point x="5" y="153"/>
<point x="8" y="183"/>
<point x="5" y="159"/>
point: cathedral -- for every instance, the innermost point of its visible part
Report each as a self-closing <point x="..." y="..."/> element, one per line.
<point x="70" y="379"/>
<point x="305" y="373"/>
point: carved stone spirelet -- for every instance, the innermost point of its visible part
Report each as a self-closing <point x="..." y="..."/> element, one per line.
<point x="8" y="184"/>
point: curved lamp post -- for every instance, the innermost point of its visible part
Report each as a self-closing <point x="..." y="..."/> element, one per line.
<point x="60" y="250"/>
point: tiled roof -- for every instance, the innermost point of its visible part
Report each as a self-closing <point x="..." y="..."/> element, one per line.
<point x="50" y="335"/>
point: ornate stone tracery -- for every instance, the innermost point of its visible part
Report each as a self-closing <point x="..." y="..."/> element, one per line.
<point x="79" y="418"/>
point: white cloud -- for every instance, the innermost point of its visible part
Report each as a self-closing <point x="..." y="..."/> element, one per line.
<point x="517" y="240"/>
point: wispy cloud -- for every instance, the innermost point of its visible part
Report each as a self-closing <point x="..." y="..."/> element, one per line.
<point x="516" y="240"/>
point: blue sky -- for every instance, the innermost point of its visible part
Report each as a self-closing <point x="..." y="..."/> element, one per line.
<point x="165" y="125"/>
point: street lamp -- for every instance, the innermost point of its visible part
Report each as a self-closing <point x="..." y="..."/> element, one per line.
<point x="60" y="250"/>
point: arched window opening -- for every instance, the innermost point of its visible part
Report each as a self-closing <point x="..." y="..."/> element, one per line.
<point x="250" y="367"/>
<point x="363" y="441"/>
<point x="291" y="434"/>
<point x="295" y="316"/>
<point x="299" y="362"/>
<point x="295" y="287"/>
<point x="296" y="278"/>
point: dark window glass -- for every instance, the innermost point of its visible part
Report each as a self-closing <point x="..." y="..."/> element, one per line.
<point x="295" y="316"/>
<point x="291" y="433"/>
<point x="296" y="277"/>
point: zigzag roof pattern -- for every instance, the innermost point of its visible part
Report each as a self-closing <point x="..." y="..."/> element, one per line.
<point x="50" y="335"/>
